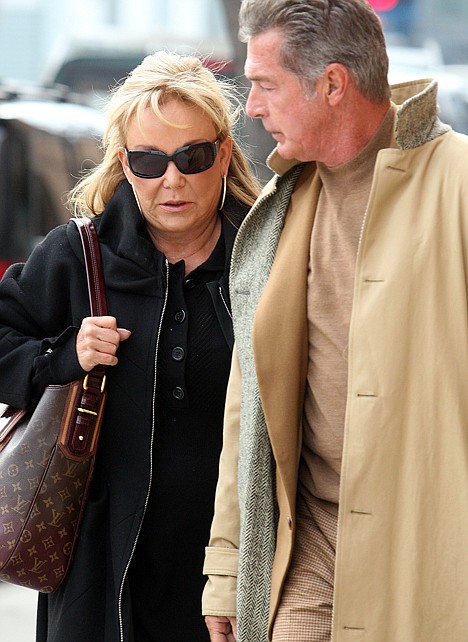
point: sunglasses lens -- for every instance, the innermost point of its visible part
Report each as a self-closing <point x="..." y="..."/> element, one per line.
<point x="147" y="164"/>
<point x="191" y="159"/>
<point x="195" y="158"/>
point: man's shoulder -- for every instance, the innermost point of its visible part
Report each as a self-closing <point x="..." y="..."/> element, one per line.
<point x="458" y="139"/>
<point x="453" y="146"/>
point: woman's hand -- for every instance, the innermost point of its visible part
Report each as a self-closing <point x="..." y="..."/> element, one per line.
<point x="98" y="340"/>
<point x="221" y="629"/>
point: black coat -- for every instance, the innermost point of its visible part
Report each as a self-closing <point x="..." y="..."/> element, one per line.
<point x="42" y="304"/>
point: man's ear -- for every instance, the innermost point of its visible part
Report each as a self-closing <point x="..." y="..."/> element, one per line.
<point x="336" y="80"/>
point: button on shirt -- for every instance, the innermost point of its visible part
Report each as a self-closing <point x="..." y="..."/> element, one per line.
<point x="186" y="359"/>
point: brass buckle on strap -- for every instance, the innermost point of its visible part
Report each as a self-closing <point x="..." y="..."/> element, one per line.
<point x="103" y="383"/>
<point x="88" y="412"/>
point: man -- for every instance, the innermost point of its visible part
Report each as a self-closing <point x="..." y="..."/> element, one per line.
<point x="342" y="502"/>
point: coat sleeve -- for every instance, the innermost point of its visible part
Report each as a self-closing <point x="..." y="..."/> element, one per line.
<point x="221" y="560"/>
<point x="39" y="321"/>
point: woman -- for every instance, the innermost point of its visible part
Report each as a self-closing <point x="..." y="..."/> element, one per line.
<point x="167" y="198"/>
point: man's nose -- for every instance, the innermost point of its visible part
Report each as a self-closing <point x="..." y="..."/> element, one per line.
<point x="253" y="106"/>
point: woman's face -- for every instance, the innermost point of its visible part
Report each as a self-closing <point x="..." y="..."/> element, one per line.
<point x="177" y="206"/>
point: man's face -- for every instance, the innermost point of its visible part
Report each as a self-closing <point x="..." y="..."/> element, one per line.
<point x="295" y="121"/>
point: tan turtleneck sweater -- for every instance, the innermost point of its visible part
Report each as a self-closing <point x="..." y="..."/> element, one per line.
<point x="334" y="245"/>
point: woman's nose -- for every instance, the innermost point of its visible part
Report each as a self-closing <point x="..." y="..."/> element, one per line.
<point x="172" y="176"/>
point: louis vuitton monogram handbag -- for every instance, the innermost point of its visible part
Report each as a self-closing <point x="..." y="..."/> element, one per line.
<point x="47" y="459"/>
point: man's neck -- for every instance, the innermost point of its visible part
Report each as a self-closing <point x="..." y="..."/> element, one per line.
<point x="353" y="128"/>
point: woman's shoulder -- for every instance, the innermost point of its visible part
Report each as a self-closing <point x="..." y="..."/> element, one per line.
<point x="53" y="254"/>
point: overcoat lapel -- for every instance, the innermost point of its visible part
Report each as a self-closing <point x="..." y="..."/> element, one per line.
<point x="280" y="331"/>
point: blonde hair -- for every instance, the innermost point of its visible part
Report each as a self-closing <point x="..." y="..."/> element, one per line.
<point x="162" y="76"/>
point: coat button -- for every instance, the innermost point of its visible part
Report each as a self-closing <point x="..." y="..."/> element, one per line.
<point x="179" y="316"/>
<point x="290" y="523"/>
<point x="190" y="282"/>
<point x="178" y="354"/>
<point x="178" y="393"/>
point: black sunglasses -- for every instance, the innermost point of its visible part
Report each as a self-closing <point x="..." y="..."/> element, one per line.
<point x="191" y="159"/>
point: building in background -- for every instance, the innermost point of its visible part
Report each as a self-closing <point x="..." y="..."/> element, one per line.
<point x="36" y="35"/>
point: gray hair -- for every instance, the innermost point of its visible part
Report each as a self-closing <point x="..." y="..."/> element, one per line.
<point x="319" y="32"/>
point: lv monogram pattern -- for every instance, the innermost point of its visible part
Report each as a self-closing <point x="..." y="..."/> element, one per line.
<point x="41" y="497"/>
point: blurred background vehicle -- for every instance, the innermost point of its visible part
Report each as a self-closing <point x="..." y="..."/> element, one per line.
<point x="47" y="137"/>
<point x="93" y="62"/>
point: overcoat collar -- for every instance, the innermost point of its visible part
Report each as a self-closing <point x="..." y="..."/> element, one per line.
<point x="416" y="120"/>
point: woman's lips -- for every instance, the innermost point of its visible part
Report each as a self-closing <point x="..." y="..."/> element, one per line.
<point x="175" y="206"/>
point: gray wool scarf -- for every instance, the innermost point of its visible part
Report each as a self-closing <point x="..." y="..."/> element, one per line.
<point x="253" y="255"/>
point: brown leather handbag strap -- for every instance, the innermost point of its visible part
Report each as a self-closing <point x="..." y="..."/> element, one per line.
<point x="95" y="380"/>
<point x="93" y="263"/>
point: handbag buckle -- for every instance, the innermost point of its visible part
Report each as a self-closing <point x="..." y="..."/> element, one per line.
<point x="103" y="383"/>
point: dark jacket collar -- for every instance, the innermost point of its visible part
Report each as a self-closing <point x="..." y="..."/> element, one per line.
<point x="131" y="262"/>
